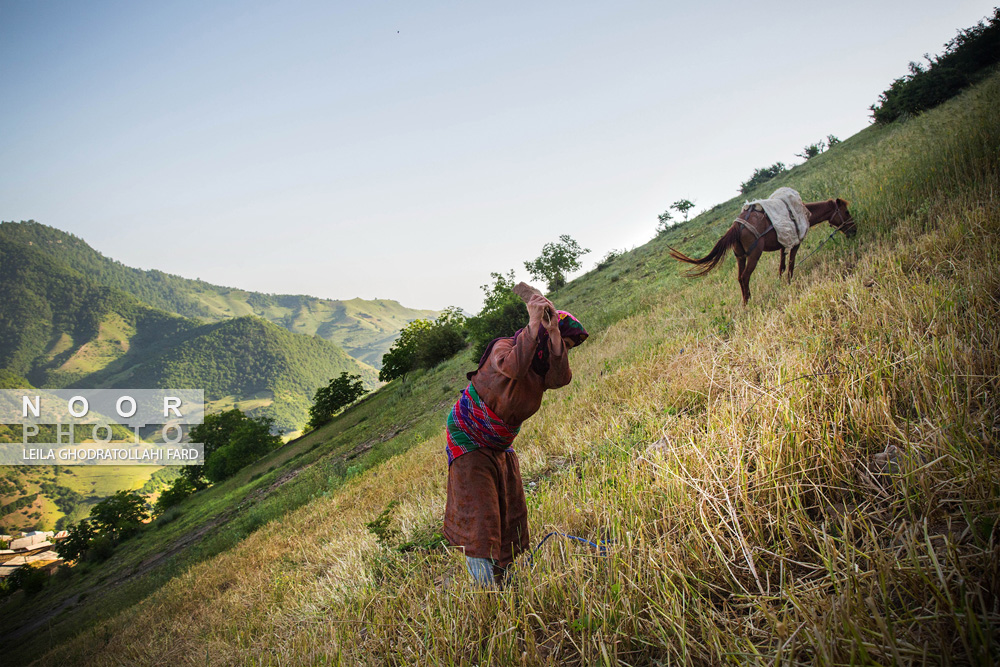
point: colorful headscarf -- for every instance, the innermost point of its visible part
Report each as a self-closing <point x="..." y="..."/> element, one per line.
<point x="569" y="327"/>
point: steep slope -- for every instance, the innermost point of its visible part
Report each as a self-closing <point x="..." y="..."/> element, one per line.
<point x="810" y="480"/>
<point x="365" y="329"/>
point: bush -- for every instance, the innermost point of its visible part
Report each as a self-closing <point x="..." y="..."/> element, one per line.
<point x="424" y="344"/>
<point x="29" y="579"/>
<point x="812" y="150"/>
<point x="77" y="542"/>
<point x="101" y="548"/>
<point x="443" y="340"/>
<point x="402" y="356"/>
<point x="762" y="175"/>
<point x="331" y="399"/>
<point x="119" y="516"/>
<point x="966" y="59"/>
<point x="232" y="440"/>
<point x="250" y="441"/>
<point x="611" y="257"/>
<point x="214" y="433"/>
<point x="181" y="488"/>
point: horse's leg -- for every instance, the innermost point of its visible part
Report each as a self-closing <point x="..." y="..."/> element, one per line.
<point x="741" y="265"/>
<point x="781" y="268"/>
<point x="751" y="260"/>
<point x="791" y="262"/>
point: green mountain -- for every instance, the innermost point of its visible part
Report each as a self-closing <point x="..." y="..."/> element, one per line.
<point x="365" y="329"/>
<point x="60" y="328"/>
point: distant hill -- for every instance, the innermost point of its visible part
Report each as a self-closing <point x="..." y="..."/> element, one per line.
<point x="60" y="328"/>
<point x="364" y="329"/>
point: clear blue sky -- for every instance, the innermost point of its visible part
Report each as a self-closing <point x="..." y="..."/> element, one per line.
<point x="405" y="150"/>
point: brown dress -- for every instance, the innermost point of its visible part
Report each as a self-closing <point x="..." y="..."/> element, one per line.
<point x="486" y="512"/>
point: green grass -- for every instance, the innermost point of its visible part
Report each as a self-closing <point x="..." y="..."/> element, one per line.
<point x="810" y="480"/>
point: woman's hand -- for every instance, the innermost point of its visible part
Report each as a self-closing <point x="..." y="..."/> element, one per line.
<point x="541" y="311"/>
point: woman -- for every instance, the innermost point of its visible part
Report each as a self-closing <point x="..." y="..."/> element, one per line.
<point x="486" y="513"/>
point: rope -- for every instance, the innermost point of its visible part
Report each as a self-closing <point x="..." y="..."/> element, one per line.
<point x="601" y="548"/>
<point x="803" y="261"/>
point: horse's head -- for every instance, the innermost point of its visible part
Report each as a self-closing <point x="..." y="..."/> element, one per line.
<point x="842" y="220"/>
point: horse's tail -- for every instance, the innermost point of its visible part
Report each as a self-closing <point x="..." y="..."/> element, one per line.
<point x="716" y="255"/>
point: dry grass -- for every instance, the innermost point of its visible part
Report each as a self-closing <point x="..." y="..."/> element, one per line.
<point x="811" y="481"/>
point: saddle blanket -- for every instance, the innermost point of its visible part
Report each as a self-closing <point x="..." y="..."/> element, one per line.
<point x="785" y="210"/>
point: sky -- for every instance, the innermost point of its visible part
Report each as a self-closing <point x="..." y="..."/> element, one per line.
<point x="405" y="150"/>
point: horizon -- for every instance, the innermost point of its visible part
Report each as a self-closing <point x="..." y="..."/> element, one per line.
<point x="377" y="135"/>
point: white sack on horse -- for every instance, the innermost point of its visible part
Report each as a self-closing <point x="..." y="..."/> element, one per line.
<point x="785" y="210"/>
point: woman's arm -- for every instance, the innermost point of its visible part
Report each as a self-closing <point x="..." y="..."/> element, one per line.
<point x="514" y="360"/>
<point x="559" y="374"/>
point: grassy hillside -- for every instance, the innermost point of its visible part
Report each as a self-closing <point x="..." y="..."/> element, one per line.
<point x="812" y="480"/>
<point x="365" y="329"/>
<point x="57" y="326"/>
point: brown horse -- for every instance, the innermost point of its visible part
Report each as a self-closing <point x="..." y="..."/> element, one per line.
<point x="752" y="234"/>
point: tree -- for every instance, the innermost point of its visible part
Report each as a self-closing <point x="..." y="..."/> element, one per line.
<point x="251" y="440"/>
<point x="331" y="399"/>
<point x="214" y="432"/>
<point x="762" y="175"/>
<point x="682" y="206"/>
<point x="967" y="58"/>
<point x="443" y="339"/>
<point x="75" y="545"/>
<point x="233" y="438"/>
<point x="119" y="516"/>
<point x="181" y="488"/>
<point x="402" y="356"/>
<point x="556" y="260"/>
<point x="831" y="140"/>
<point x="29" y="579"/>
<point x="664" y="219"/>
<point x="502" y="313"/>
<point x="424" y="344"/>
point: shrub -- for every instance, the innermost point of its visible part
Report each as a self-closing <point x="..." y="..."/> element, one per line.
<point x="77" y="542"/>
<point x="609" y="258"/>
<point x="119" y="516"/>
<point x="181" y="488"/>
<point x="101" y="548"/>
<point x="966" y="59"/>
<point x="29" y="579"/>
<point x="812" y="150"/>
<point x="331" y="399"/>
<point x="762" y="175"/>
<point x="442" y="340"/>
<point x="232" y="440"/>
<point x="424" y="344"/>
<point x="250" y="441"/>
